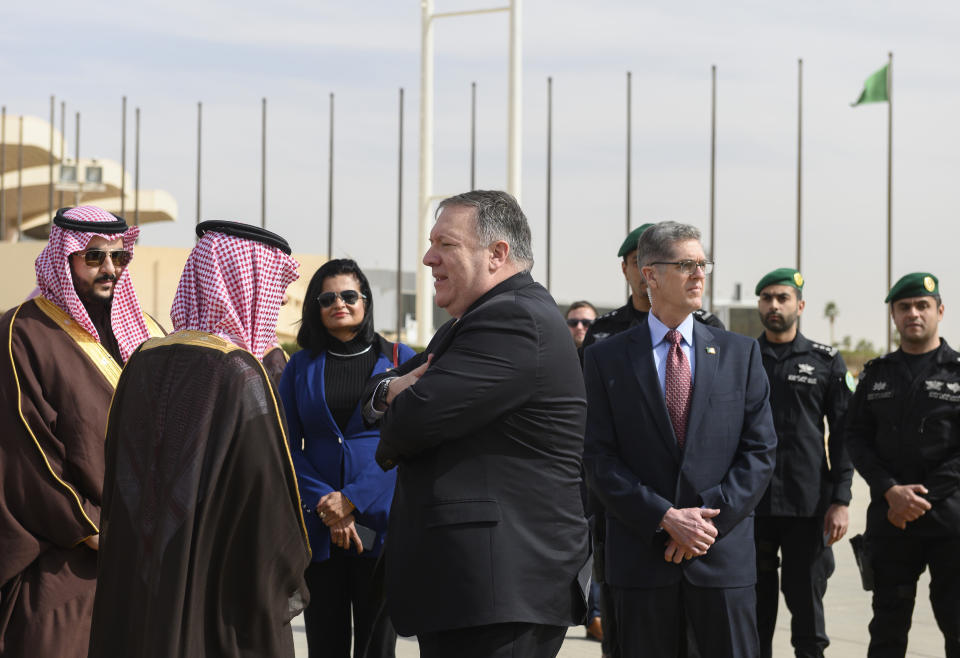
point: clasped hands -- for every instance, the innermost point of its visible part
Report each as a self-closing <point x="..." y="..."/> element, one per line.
<point x="906" y="504"/>
<point x="336" y="512"/>
<point x="691" y="531"/>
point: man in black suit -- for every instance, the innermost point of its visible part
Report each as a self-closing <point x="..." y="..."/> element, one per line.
<point x="487" y="548"/>
<point x="680" y="446"/>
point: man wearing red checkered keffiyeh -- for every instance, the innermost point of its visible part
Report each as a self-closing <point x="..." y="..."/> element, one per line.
<point x="64" y="349"/>
<point x="200" y="495"/>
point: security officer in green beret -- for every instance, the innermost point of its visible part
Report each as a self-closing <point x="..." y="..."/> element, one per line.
<point x="635" y="310"/>
<point x="804" y="510"/>
<point x="903" y="433"/>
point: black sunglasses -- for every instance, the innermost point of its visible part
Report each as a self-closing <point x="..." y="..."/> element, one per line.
<point x="95" y="257"/>
<point x="573" y="322"/>
<point x="350" y="297"/>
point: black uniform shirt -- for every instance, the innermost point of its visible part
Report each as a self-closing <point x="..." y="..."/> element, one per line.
<point x="808" y="381"/>
<point x="905" y="429"/>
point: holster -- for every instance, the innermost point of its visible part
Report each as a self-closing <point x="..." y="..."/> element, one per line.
<point x="863" y="554"/>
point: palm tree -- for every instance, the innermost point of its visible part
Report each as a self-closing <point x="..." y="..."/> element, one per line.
<point x="830" y="312"/>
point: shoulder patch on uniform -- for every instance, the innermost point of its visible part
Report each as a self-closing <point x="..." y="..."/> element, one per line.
<point x="831" y="351"/>
<point x="850" y="381"/>
<point x="609" y="314"/>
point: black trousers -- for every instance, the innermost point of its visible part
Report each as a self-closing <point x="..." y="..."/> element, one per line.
<point x="511" y="640"/>
<point x="805" y="565"/>
<point x="655" y="622"/>
<point x="337" y="586"/>
<point x="897" y="564"/>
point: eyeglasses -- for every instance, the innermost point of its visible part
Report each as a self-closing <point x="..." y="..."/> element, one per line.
<point x="349" y="297"/>
<point x="687" y="266"/>
<point x="95" y="257"/>
<point x="573" y="322"/>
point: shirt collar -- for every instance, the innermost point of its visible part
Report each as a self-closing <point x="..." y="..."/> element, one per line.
<point x="658" y="330"/>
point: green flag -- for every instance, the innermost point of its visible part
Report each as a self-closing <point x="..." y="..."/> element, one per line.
<point x="874" y="89"/>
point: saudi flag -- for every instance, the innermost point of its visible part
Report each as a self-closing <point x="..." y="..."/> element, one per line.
<point x="874" y="89"/>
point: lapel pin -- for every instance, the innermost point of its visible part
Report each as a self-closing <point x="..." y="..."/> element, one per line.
<point x="711" y="350"/>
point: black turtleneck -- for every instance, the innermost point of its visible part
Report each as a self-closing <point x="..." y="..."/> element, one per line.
<point x="99" y="313"/>
<point x="346" y="373"/>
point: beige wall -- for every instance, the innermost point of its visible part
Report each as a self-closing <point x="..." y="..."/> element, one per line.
<point x="155" y="272"/>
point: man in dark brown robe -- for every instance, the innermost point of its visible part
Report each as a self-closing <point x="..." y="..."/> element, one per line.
<point x="204" y="546"/>
<point x="62" y="355"/>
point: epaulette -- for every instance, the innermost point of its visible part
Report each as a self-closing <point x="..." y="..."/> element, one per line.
<point x="830" y="351"/>
<point x="608" y="315"/>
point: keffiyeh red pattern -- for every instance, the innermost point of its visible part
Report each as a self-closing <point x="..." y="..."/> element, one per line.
<point x="233" y="287"/>
<point x="56" y="282"/>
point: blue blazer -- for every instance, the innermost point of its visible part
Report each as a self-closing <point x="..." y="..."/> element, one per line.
<point x="329" y="458"/>
<point x="634" y="465"/>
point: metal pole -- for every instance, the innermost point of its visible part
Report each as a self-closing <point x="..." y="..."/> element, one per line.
<point x="76" y="160"/>
<point x="199" y="153"/>
<point x="549" y="173"/>
<point x="3" y="170"/>
<point x="123" y="159"/>
<point x="263" y="166"/>
<point x="889" y="190"/>
<point x="713" y="172"/>
<point x="515" y="103"/>
<point x="424" y="280"/>
<point x="400" y="219"/>
<point x="330" y="188"/>
<point x="63" y="142"/>
<point x="20" y="183"/>
<point x="799" y="162"/>
<point x="53" y="118"/>
<point x="473" y="135"/>
<point x="629" y="144"/>
<point x="136" y="173"/>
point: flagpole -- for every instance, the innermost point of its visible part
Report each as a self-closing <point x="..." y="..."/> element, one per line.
<point x="889" y="189"/>
<point x="799" y="160"/>
<point x="713" y="172"/>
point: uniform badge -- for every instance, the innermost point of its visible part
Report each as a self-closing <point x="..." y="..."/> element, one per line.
<point x="852" y="383"/>
<point x="933" y="385"/>
<point x="710" y="350"/>
<point x="798" y="279"/>
<point x="879" y="386"/>
<point x="805" y="368"/>
<point x="929" y="284"/>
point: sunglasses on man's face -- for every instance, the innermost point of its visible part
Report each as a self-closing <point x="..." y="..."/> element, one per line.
<point x="350" y="297"/>
<point x="573" y="322"/>
<point x="95" y="257"/>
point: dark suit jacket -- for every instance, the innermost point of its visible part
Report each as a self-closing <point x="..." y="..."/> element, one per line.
<point x="487" y="525"/>
<point x="634" y="465"/>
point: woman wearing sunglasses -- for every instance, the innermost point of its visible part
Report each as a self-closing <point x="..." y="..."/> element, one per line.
<point x="345" y="495"/>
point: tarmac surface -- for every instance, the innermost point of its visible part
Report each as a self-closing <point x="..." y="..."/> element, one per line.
<point x="846" y="604"/>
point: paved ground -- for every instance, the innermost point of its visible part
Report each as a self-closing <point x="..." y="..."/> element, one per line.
<point x="847" y="611"/>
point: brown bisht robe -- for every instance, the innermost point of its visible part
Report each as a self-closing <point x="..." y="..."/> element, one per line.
<point x="274" y="361"/>
<point x="56" y="382"/>
<point x="203" y="546"/>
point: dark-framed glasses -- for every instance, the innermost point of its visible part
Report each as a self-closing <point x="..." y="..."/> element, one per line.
<point x="95" y="257"/>
<point x="573" y="322"/>
<point x="349" y="297"/>
<point x="688" y="266"/>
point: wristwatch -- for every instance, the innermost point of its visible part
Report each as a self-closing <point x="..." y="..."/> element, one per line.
<point x="380" y="397"/>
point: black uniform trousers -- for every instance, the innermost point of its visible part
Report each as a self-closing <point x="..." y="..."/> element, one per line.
<point x="508" y="640"/>
<point x="897" y="564"/>
<point x="658" y="621"/>
<point x="805" y="564"/>
<point x="336" y="586"/>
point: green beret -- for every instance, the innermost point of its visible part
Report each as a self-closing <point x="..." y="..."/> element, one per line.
<point x="915" y="284"/>
<point x="630" y="243"/>
<point x="783" y="276"/>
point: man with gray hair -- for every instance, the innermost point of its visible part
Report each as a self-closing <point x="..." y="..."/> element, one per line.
<point x="488" y="548"/>
<point x="679" y="448"/>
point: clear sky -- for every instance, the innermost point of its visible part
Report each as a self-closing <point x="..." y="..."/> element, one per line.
<point x="166" y="56"/>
